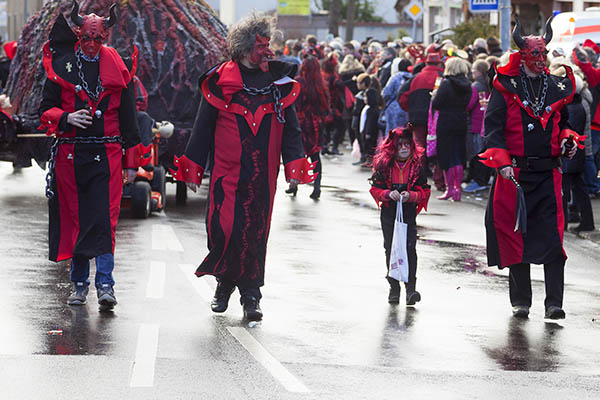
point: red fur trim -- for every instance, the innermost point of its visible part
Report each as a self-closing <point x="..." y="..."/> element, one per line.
<point x="495" y="157"/>
<point x="136" y="156"/>
<point x="299" y="169"/>
<point x="423" y="198"/>
<point x="50" y="120"/>
<point x="380" y="195"/>
<point x="565" y="133"/>
<point x="187" y="170"/>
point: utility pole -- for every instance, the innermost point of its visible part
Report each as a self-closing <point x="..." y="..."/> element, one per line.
<point x="504" y="8"/>
<point x="350" y="20"/>
<point x="334" y="17"/>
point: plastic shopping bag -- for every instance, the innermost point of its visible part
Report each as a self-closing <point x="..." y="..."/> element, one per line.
<point x="355" y="150"/>
<point x="399" y="256"/>
<point x="432" y="120"/>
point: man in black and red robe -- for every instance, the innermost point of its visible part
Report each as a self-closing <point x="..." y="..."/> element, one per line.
<point x="526" y="126"/>
<point x="88" y="104"/>
<point x="246" y="123"/>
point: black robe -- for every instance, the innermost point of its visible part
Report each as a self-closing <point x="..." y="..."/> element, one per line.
<point x="239" y="136"/>
<point x="88" y="182"/>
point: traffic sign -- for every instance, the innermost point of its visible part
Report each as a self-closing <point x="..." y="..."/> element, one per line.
<point x="414" y="10"/>
<point x="483" y="6"/>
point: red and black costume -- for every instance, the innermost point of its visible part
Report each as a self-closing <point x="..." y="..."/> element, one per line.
<point x="390" y="174"/>
<point x="85" y="192"/>
<point x="334" y="123"/>
<point x="246" y="123"/>
<point x="525" y="122"/>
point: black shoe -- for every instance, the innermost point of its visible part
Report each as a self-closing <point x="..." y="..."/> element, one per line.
<point x="78" y="294"/>
<point x="336" y="152"/>
<point x="252" y="311"/>
<point x="554" y="312"/>
<point x="520" y="311"/>
<point x="583" y="228"/>
<point x="292" y="191"/>
<point x="413" y="298"/>
<point x="220" y="302"/>
<point x="106" y="297"/>
<point x="315" y="194"/>
<point x="394" y="295"/>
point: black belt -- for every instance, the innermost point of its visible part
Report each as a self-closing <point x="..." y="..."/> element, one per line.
<point x="535" y="163"/>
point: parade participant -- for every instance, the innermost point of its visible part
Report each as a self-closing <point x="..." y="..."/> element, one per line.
<point x="311" y="107"/>
<point x="334" y="123"/>
<point x="88" y="104"/>
<point x="245" y="123"/>
<point x="526" y="127"/>
<point x="399" y="178"/>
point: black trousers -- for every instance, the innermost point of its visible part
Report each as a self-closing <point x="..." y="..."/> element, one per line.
<point x="388" y="215"/>
<point x="575" y="183"/>
<point x="334" y="133"/>
<point x="318" y="169"/>
<point x="520" y="284"/>
<point x="245" y="290"/>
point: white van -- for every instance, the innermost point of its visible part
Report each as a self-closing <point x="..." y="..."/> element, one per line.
<point x="571" y="28"/>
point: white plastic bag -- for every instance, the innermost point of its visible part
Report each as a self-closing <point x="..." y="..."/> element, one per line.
<point x="355" y="150"/>
<point x="399" y="256"/>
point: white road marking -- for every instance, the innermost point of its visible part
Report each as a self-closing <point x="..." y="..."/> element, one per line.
<point x="164" y="238"/>
<point x="142" y="374"/>
<point x="199" y="284"/>
<point x="274" y="367"/>
<point x="156" y="281"/>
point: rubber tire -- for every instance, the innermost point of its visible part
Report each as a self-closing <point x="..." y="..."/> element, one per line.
<point x="140" y="199"/>
<point x="181" y="194"/>
<point x="159" y="184"/>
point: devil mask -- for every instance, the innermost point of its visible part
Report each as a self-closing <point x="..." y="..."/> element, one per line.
<point x="533" y="48"/>
<point x="261" y="53"/>
<point x="91" y="29"/>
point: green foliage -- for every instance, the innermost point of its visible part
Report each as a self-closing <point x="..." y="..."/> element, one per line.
<point x="364" y="10"/>
<point x="467" y="32"/>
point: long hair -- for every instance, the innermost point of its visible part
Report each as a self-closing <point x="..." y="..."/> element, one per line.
<point x="314" y="92"/>
<point x="387" y="152"/>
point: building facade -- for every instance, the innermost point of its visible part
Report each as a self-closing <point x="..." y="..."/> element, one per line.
<point x="17" y="13"/>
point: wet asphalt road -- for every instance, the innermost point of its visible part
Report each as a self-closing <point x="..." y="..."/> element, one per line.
<point x="328" y="332"/>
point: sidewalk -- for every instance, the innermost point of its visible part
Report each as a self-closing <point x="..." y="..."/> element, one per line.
<point x="481" y="198"/>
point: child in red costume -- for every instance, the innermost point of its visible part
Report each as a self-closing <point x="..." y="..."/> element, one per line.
<point x="399" y="178"/>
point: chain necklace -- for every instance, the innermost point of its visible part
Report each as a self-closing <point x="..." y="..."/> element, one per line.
<point x="537" y="107"/>
<point x="99" y="89"/>
<point x="271" y="89"/>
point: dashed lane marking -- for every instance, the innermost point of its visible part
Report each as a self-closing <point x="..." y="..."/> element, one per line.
<point x="164" y="238"/>
<point x="199" y="284"/>
<point x="279" y="372"/>
<point x="156" y="281"/>
<point x="142" y="374"/>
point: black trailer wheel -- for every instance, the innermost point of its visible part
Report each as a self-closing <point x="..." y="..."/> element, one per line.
<point x="159" y="184"/>
<point x="140" y="199"/>
<point x="181" y="194"/>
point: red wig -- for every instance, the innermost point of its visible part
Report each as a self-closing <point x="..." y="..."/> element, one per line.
<point x="387" y="152"/>
<point x="330" y="64"/>
<point x="314" y="92"/>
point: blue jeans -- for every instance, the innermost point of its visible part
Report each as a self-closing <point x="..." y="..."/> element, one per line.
<point x="590" y="175"/>
<point x="80" y="269"/>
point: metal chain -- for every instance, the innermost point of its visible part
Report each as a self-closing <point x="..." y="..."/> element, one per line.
<point x="84" y="84"/>
<point x="72" y="140"/>
<point x="538" y="106"/>
<point x="271" y="89"/>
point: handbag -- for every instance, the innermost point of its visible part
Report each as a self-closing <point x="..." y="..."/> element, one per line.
<point x="399" y="256"/>
<point x="432" y="120"/>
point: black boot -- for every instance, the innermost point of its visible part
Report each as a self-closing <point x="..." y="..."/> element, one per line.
<point x="394" y="294"/>
<point x="220" y="302"/>
<point x="293" y="191"/>
<point x="252" y="311"/>
<point x="412" y="296"/>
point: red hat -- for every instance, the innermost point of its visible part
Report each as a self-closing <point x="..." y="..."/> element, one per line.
<point x="10" y="49"/>
<point x="589" y="43"/>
